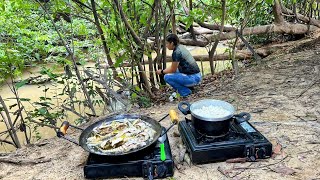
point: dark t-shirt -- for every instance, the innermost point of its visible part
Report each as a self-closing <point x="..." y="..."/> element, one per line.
<point x="187" y="64"/>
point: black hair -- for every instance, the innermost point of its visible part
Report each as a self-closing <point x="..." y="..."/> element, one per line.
<point x="172" y="38"/>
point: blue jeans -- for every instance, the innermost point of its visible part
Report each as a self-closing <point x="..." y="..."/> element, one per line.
<point x="181" y="82"/>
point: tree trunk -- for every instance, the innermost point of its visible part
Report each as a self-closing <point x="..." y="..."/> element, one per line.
<point x="164" y="48"/>
<point x="151" y="72"/>
<point x="157" y="36"/>
<point x="20" y="106"/>
<point x="278" y="18"/>
<point x="172" y="15"/>
<point x="191" y="27"/>
<point x="128" y="26"/>
<point x="103" y="39"/>
<point x="83" y="86"/>
<point x="8" y="122"/>
<point x="214" y="47"/>
<point x="139" y="43"/>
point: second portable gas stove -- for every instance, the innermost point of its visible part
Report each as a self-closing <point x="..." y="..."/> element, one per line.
<point x="145" y="164"/>
<point x="242" y="140"/>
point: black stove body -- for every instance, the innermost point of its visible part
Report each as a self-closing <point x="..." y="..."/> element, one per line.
<point x="145" y="164"/>
<point x="242" y="140"/>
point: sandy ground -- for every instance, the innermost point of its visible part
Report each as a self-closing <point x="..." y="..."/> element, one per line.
<point x="281" y="94"/>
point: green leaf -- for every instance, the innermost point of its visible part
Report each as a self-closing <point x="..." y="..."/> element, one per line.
<point x="269" y="1"/>
<point x="137" y="88"/>
<point x="24" y="99"/>
<point x="119" y="61"/>
<point x="21" y="83"/>
<point x="134" y="95"/>
<point x="37" y="55"/>
<point x="42" y="111"/>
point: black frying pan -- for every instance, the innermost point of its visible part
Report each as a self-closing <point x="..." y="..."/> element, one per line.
<point x="87" y="132"/>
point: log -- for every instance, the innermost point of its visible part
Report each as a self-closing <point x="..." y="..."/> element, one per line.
<point x="301" y="17"/>
<point x="288" y="28"/>
<point x="216" y="27"/>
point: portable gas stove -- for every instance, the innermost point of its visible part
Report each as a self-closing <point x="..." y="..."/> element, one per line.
<point x="146" y="164"/>
<point x="242" y="140"/>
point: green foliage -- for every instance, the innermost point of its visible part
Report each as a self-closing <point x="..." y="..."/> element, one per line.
<point x="140" y="98"/>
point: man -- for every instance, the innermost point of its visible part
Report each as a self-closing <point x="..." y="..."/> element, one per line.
<point x="184" y="72"/>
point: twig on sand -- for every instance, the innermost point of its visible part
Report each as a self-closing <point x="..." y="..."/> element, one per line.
<point x="23" y="161"/>
<point x="262" y="166"/>
<point x="204" y="170"/>
<point x="227" y="172"/>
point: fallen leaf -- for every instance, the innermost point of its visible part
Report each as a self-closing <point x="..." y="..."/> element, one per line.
<point x="282" y="169"/>
<point x="302" y="158"/>
<point x="277" y="149"/>
<point x="236" y="160"/>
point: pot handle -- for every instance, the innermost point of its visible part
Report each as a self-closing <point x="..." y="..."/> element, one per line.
<point x="186" y="110"/>
<point x="242" y="117"/>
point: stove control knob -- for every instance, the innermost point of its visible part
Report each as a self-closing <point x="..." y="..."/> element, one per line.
<point x="161" y="171"/>
<point x="261" y="153"/>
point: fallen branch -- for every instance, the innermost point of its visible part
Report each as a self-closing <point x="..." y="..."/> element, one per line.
<point x="216" y="27"/>
<point x="262" y="166"/>
<point x="288" y="28"/>
<point x="309" y="87"/>
<point x="313" y="142"/>
<point x="23" y="161"/>
<point x="301" y="17"/>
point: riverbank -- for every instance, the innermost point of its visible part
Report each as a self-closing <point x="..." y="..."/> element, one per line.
<point x="281" y="94"/>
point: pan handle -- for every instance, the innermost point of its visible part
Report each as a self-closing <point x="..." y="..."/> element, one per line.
<point x="64" y="127"/>
<point x="174" y="119"/>
<point x="63" y="131"/>
<point x="173" y="116"/>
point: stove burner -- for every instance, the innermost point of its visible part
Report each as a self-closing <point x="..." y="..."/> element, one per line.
<point x="146" y="164"/>
<point x="242" y="140"/>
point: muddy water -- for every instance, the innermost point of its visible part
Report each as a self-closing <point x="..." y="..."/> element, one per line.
<point x="34" y="92"/>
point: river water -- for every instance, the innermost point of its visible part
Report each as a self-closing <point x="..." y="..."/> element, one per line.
<point x="34" y="92"/>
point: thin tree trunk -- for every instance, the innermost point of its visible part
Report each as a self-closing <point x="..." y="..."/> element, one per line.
<point x="164" y="48"/>
<point x="157" y="18"/>
<point x="151" y="74"/>
<point x="173" y="16"/>
<point x="191" y="27"/>
<point x="128" y="26"/>
<point x="103" y="39"/>
<point x="214" y="47"/>
<point x="235" y="65"/>
<point x="278" y="18"/>
<point x="20" y="106"/>
<point x="139" y="43"/>
<point x="7" y="119"/>
<point x="83" y="86"/>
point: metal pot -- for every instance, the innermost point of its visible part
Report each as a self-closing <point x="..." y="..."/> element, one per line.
<point x="212" y="126"/>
